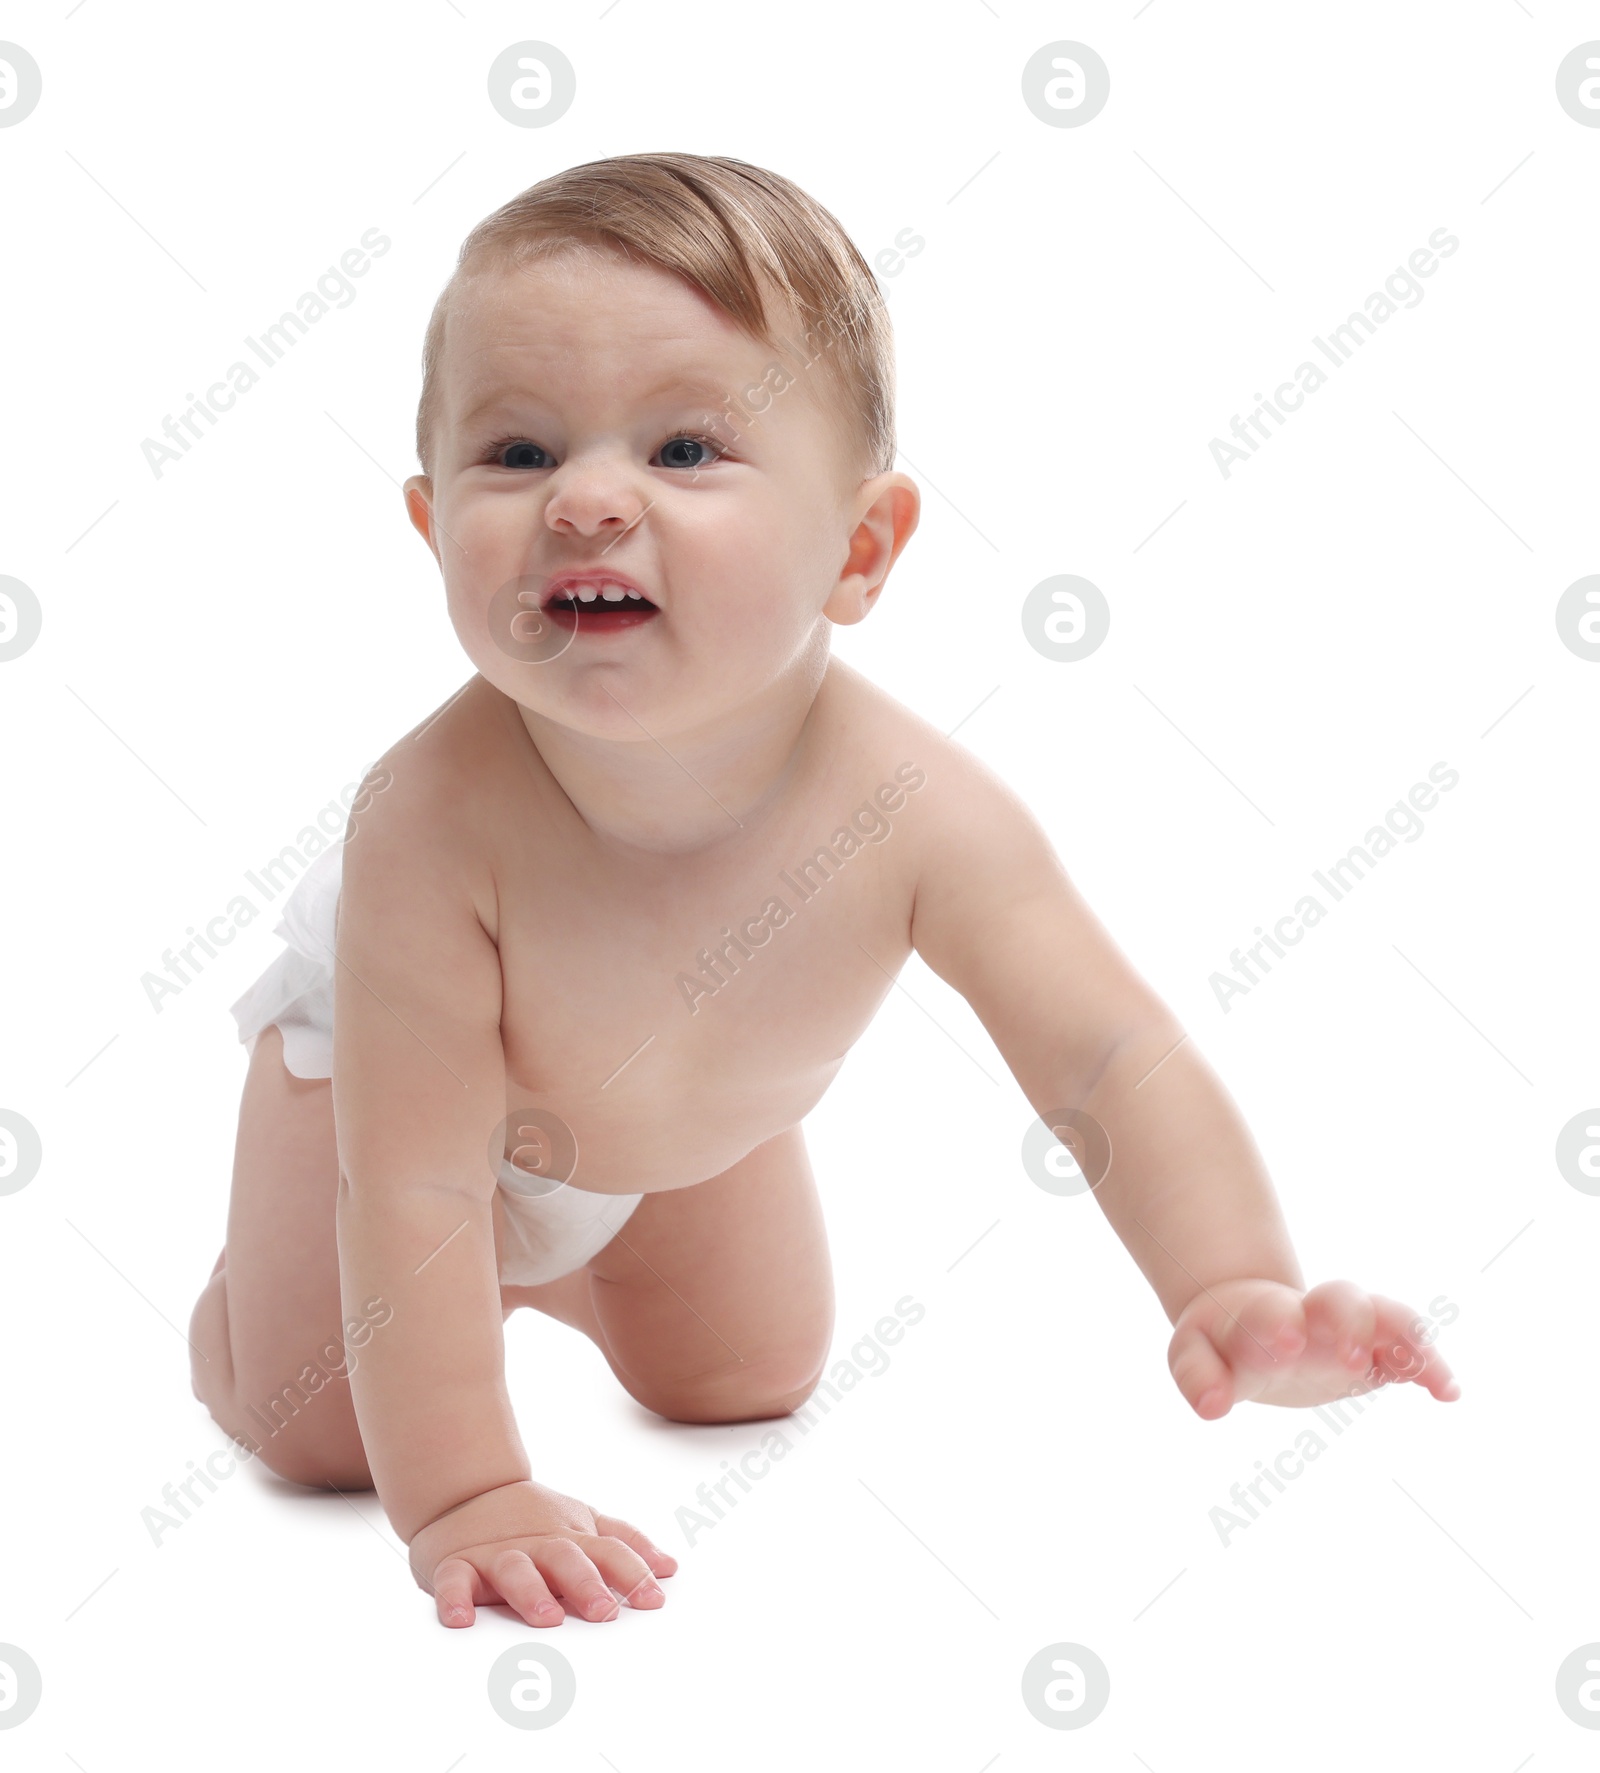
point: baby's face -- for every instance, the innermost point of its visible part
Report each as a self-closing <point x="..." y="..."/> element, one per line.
<point x="586" y="425"/>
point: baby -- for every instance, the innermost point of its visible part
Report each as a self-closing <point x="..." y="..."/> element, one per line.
<point x="604" y="926"/>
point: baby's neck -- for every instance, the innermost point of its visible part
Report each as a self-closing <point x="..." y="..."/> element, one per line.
<point x="685" y="792"/>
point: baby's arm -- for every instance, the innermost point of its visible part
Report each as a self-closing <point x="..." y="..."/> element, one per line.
<point x="419" y="1092"/>
<point x="996" y="916"/>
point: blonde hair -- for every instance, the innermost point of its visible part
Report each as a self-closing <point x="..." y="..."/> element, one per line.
<point x="729" y="228"/>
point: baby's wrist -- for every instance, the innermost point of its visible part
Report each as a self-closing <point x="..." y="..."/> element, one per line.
<point x="1227" y="1286"/>
<point x="465" y="1513"/>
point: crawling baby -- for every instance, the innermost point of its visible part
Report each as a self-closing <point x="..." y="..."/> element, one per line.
<point x="604" y="926"/>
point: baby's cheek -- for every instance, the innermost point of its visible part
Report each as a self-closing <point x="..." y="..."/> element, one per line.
<point x="760" y="618"/>
<point x="468" y="606"/>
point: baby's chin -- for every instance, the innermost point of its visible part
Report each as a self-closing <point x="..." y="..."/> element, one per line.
<point x="649" y="710"/>
<point x="607" y="700"/>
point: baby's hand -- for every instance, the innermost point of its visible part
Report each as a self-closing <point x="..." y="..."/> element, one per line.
<point x="518" y="1543"/>
<point x="1263" y="1341"/>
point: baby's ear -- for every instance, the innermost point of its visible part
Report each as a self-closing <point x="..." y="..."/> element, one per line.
<point x="885" y="525"/>
<point x="850" y="600"/>
<point x="419" y="507"/>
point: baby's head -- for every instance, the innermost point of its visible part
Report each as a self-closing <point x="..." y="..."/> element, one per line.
<point x="675" y="373"/>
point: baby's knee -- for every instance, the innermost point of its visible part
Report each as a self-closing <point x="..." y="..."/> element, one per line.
<point x="210" y="1356"/>
<point x="320" y="1463"/>
<point x="311" y="1440"/>
<point x="736" y="1396"/>
<point x="732" y="1409"/>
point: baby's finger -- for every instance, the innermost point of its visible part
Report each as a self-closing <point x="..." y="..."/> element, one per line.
<point x="625" y="1570"/>
<point x="1341" y="1323"/>
<point x="517" y="1581"/>
<point x="579" y="1583"/>
<point x="452" y="1591"/>
<point x="1398" y="1355"/>
<point x="1201" y="1373"/>
<point x="663" y="1563"/>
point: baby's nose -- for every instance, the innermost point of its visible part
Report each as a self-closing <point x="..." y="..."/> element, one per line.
<point x="594" y="495"/>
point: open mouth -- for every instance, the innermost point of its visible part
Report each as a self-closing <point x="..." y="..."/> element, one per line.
<point x="599" y="607"/>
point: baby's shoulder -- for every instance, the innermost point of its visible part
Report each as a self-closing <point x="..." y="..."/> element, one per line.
<point x="435" y="788"/>
<point x="953" y="786"/>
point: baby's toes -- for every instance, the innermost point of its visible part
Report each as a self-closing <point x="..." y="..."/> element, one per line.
<point x="1340" y="1325"/>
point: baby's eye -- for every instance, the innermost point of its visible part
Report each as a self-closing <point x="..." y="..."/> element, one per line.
<point x="673" y="451"/>
<point x="517" y="452"/>
<point x="687" y="450"/>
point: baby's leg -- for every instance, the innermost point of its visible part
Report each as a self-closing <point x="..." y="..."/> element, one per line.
<point x="566" y="1300"/>
<point x="267" y="1329"/>
<point x="715" y="1303"/>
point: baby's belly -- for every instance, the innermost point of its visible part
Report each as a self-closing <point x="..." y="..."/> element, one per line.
<point x="649" y="1139"/>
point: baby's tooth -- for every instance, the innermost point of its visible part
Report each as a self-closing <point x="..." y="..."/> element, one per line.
<point x="586" y="594"/>
<point x="613" y="594"/>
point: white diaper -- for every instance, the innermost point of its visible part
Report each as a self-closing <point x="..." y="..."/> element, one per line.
<point x="539" y="1236"/>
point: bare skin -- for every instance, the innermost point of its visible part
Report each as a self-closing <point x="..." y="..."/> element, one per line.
<point x="592" y="885"/>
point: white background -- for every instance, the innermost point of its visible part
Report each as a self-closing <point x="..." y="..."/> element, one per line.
<point x="227" y="646"/>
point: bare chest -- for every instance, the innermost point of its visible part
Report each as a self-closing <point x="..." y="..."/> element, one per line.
<point x="675" y="1018"/>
